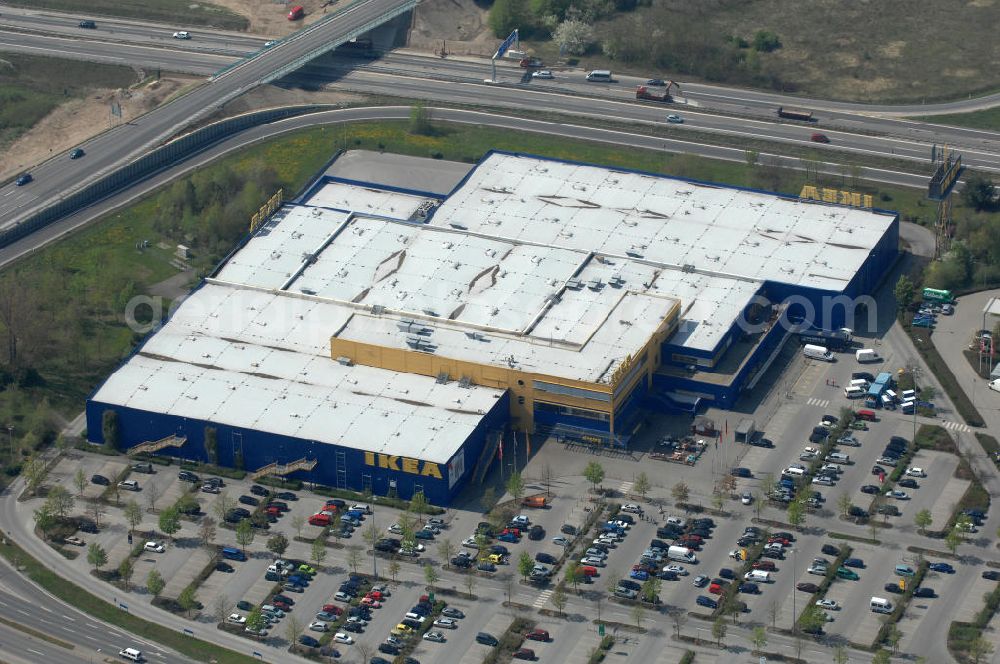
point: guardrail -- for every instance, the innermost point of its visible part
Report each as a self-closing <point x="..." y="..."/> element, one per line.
<point x="147" y="166"/>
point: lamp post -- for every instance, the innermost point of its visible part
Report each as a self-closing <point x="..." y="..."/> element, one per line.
<point x="795" y="575"/>
<point x="10" y="441"/>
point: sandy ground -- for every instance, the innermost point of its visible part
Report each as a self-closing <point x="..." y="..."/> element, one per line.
<point x="76" y="121"/>
<point x="457" y="25"/>
<point x="270" y="17"/>
<point x="268" y="96"/>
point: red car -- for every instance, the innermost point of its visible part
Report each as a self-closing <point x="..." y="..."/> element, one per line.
<point x="296" y="12"/>
<point x="819" y="138"/>
<point x="537" y="635"/>
<point x="779" y="540"/>
<point x="511" y="531"/>
<point x="715" y="589"/>
<point x="332" y="608"/>
<point x="689" y="538"/>
<point x="319" y="520"/>
<point x="375" y="594"/>
<point x="277" y="603"/>
<point x="765" y="565"/>
<point x="524" y="653"/>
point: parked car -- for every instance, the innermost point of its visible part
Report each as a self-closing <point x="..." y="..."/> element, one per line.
<point x="941" y="567"/>
<point x="807" y="587"/>
<point x="100" y="480"/>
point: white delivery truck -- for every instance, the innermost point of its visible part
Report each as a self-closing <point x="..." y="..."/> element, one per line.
<point x="866" y="355"/>
<point x="880" y="605"/>
<point x="681" y="554"/>
<point x="817" y="352"/>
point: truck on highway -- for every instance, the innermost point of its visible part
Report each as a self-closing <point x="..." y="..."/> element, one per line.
<point x="530" y="63"/>
<point x="655" y="93"/>
<point x="795" y="114"/>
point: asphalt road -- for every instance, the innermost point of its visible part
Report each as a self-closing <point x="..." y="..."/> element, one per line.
<point x="59" y="176"/>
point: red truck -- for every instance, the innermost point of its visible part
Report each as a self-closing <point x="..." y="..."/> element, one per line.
<point x="296" y="12"/>
<point x="656" y="93"/>
<point x="528" y="63"/>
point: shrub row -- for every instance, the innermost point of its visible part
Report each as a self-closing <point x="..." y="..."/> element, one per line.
<point x="937" y="364"/>
<point x="510" y="641"/>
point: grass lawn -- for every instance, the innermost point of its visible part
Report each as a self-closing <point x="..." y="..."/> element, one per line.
<point x="179" y="12"/>
<point x="31" y="87"/>
<point x="988" y="119"/>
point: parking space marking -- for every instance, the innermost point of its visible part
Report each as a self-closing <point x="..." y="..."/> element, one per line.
<point x="542" y="598"/>
<point x="625" y="487"/>
<point x="822" y="403"/>
<point x="956" y="426"/>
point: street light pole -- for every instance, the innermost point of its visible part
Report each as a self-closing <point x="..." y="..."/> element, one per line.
<point x="10" y="441"/>
<point x="795" y="575"/>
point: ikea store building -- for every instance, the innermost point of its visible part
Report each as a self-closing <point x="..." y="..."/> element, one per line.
<point x="375" y="338"/>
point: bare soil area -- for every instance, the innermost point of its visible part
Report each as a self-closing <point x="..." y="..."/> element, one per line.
<point x="457" y="25"/>
<point x="270" y="17"/>
<point x="76" y="121"/>
<point x="268" y="96"/>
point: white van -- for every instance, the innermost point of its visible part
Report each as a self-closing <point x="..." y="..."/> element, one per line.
<point x="131" y="654"/>
<point x="758" y="576"/>
<point x="866" y="355"/>
<point x="853" y="392"/>
<point x="880" y="605"/>
<point x="838" y="457"/>
<point x="908" y="395"/>
<point x="681" y="554"/>
<point x="599" y="75"/>
<point x="859" y="382"/>
<point x="817" y="353"/>
<point x="793" y="470"/>
<point x="890" y="394"/>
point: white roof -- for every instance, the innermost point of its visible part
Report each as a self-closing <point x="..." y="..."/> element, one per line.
<point x="261" y="360"/>
<point x="366" y="200"/>
<point x="725" y="231"/>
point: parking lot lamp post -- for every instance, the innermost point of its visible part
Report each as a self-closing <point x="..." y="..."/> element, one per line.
<point x="374" y="556"/>
<point x="795" y="575"/>
<point x="10" y="441"/>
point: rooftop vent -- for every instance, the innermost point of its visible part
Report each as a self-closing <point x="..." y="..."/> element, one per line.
<point x="345" y="361"/>
<point x="442" y="378"/>
<point x="616" y="281"/>
<point x="595" y="284"/>
<point x="574" y="284"/>
<point x="634" y="252"/>
<point x="465" y="382"/>
<point x="458" y="226"/>
<point x="378" y="309"/>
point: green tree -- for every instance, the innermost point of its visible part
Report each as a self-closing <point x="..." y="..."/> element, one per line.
<point x="318" y="553"/>
<point x="812" y="619"/>
<point x="223" y="504"/>
<point x="430" y="574"/>
<point x="904" y="291"/>
<point x="482" y="543"/>
<point x="45" y="520"/>
<point x="571" y="573"/>
<point x="844" y="504"/>
<point x="255" y="620"/>
<point x="681" y="493"/>
<point x="109" y="427"/>
<point x="277" y="544"/>
<point x="515" y="486"/>
<point x="354" y="557"/>
<point x="979" y="648"/>
<point x="952" y="540"/>
<point x="758" y="638"/>
<point x="187" y="504"/>
<point x="923" y="520"/>
<point x="574" y="36"/>
<point x="394" y="570"/>
<point x="881" y="657"/>
<point x="187" y="600"/>
<point x="170" y="521"/>
<point x="34" y="471"/>
<point x="717" y="500"/>
<point x="765" y="42"/>
<point x="211" y="445"/>
<point x="419" y="504"/>
<point x="292" y="629"/>
<point x="650" y="589"/>
<point x="979" y="192"/>
<point x="719" y="630"/>
<point x="892" y="637"/>
<point x="125" y="570"/>
<point x="642" y="485"/>
<point x="155" y="582"/>
<point x="244" y="534"/>
<point x="506" y="15"/>
<point x="96" y="555"/>
<point x="638" y="615"/>
<point x="525" y="564"/>
<point x="133" y="514"/>
<point x="767" y="484"/>
<point x="559" y="599"/>
<point x="594" y="472"/>
<point x="470" y="584"/>
<point x="80" y="481"/>
<point x="420" y="120"/>
<point x="446" y="549"/>
<point x="298" y="522"/>
<point x="60" y="501"/>
<point x="796" y="512"/>
<point x="206" y="533"/>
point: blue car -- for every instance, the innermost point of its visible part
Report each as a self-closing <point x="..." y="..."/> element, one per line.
<point x="639" y="574"/>
<point x="707" y="601"/>
<point x="427" y="535"/>
<point x="941" y="567"/>
<point x="506" y="537"/>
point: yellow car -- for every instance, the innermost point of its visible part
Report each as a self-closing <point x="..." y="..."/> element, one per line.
<point x="495" y="558"/>
<point x="402" y="630"/>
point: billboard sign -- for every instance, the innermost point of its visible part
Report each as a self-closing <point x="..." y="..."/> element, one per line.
<point x="505" y="46"/>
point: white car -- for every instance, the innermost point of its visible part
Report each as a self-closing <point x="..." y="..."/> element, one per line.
<point x="676" y="569"/>
<point x="74" y="540"/>
<point x="470" y="542"/>
<point x="746" y="498"/>
<point x="357" y="621"/>
<point x="596" y="553"/>
<point x="236" y="619"/>
<point x="364" y="509"/>
<point x="735" y="554"/>
<point x="624" y="525"/>
<point x="521" y="520"/>
<point x="831" y="467"/>
<point x="397" y="529"/>
<point x="182" y="34"/>
<point x="447" y="623"/>
<point x="828" y="604"/>
<point x="341" y="637"/>
<point x="898" y="495"/>
<point x="916" y="472"/>
<point x="544" y="73"/>
<point x="318" y="626"/>
<point x="675" y="119"/>
<point x="269" y="44"/>
<point x="155" y="547"/>
<point x="342" y="597"/>
<point x="436" y="637"/>
<point x="631" y="507"/>
<point x="676" y="521"/>
<point x="593" y="561"/>
<point x="560" y="541"/>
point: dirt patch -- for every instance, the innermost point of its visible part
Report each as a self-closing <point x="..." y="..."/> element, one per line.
<point x="77" y="120"/>
<point x="270" y="17"/>
<point x="269" y="96"/>
<point x="458" y="25"/>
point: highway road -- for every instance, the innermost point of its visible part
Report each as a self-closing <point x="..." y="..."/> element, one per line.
<point x="58" y="177"/>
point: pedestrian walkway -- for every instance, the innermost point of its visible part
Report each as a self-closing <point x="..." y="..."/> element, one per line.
<point x="956" y="426"/>
<point x="625" y="487"/>
<point x="542" y="598"/>
<point x="822" y="403"/>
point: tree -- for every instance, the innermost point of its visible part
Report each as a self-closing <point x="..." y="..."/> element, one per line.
<point x="223" y="504"/>
<point x="506" y="15"/>
<point x="394" y="570"/>
<point x="650" y="589"/>
<point x="765" y="42"/>
<point x="244" y="534"/>
<point x="844" y="504"/>
<point x="34" y="471"/>
<point x="370" y="534"/>
<point x="719" y="630"/>
<point x="594" y="472"/>
<point x="796" y="512"/>
<point x="80" y="481"/>
<point x="979" y="648"/>
<point x="212" y="446"/>
<point x="298" y="522"/>
<point x="293" y="627"/>
<point x="419" y="505"/>
<point x="255" y="620"/>
<point x="952" y="540"/>
<point x="152" y="493"/>
<point x="767" y="484"/>
<point x="430" y="575"/>
<point x="125" y="570"/>
<point x="133" y="514"/>
<point x="96" y="510"/>
<point x="277" y="544"/>
<point x="188" y="504"/>
<point x="155" y="582"/>
<point x="904" y="291"/>
<point x="773" y="610"/>
<point x="446" y="549"/>
<point x="679" y="617"/>
<point x="642" y="485"/>
<point x="187" y="600"/>
<point x="840" y="655"/>
<point x="638" y="615"/>
<point x="758" y="638"/>
<point x="220" y="607"/>
<point x="206" y="532"/>
<point x="354" y="557"/>
<point x="525" y="564"/>
<point x="574" y="37"/>
<point x="681" y="493"/>
<point x="318" y="553"/>
<point x="892" y="637"/>
<point x="109" y="427"/>
<point x="96" y="555"/>
<point x="515" y="486"/>
<point x="60" y="501"/>
<point x="170" y="521"/>
<point x="717" y="500"/>
<point x="572" y="573"/>
<point x="44" y="518"/>
<point x="812" y="619"/>
<point x="558" y="599"/>
<point x="470" y="584"/>
<point x="420" y="120"/>
<point x="881" y="657"/>
<point x="979" y="192"/>
<point x="482" y="544"/>
<point x="923" y="520"/>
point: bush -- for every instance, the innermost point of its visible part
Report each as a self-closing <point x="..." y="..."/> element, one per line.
<point x="765" y="42"/>
<point x="943" y="372"/>
<point x="221" y="471"/>
<point x="933" y="437"/>
<point x="281" y="483"/>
